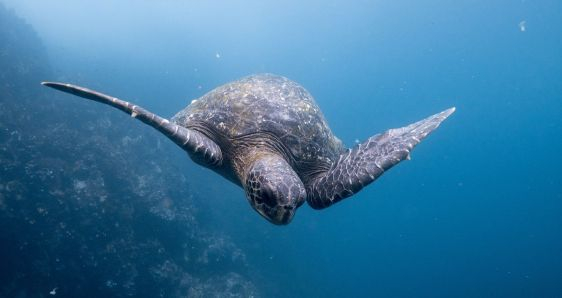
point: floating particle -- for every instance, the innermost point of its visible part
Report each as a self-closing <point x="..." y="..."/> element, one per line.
<point x="53" y="291"/>
<point x="523" y="26"/>
<point x="110" y="283"/>
<point x="218" y="55"/>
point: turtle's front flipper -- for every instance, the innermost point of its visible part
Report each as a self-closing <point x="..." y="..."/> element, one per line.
<point x="200" y="147"/>
<point x="365" y="162"/>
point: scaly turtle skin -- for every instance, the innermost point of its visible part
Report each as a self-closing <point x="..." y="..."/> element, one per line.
<point x="266" y="134"/>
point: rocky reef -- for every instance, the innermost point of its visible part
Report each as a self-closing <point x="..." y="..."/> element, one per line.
<point x="89" y="210"/>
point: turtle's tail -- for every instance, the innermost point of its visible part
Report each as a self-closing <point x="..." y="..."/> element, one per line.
<point x="192" y="141"/>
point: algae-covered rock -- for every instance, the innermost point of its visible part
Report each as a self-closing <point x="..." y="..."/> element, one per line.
<point x="88" y="211"/>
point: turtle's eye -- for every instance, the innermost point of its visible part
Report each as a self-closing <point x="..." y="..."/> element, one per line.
<point x="267" y="197"/>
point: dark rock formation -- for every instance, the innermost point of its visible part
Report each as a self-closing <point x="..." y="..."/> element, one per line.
<point x="90" y="210"/>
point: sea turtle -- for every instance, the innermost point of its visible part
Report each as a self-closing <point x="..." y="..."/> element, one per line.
<point x="266" y="134"/>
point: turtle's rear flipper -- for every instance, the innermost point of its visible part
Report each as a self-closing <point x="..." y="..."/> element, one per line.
<point x="365" y="162"/>
<point x="199" y="147"/>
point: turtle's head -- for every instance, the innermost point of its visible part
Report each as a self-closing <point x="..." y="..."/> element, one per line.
<point x="273" y="189"/>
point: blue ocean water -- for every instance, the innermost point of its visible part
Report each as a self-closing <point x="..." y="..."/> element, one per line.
<point x="475" y="213"/>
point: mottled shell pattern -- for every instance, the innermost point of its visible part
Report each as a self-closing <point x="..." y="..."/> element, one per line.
<point x="266" y="105"/>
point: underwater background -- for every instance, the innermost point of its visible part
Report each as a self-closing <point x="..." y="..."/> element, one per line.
<point x="93" y="204"/>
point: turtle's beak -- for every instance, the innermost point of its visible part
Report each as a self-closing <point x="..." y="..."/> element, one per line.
<point x="282" y="215"/>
